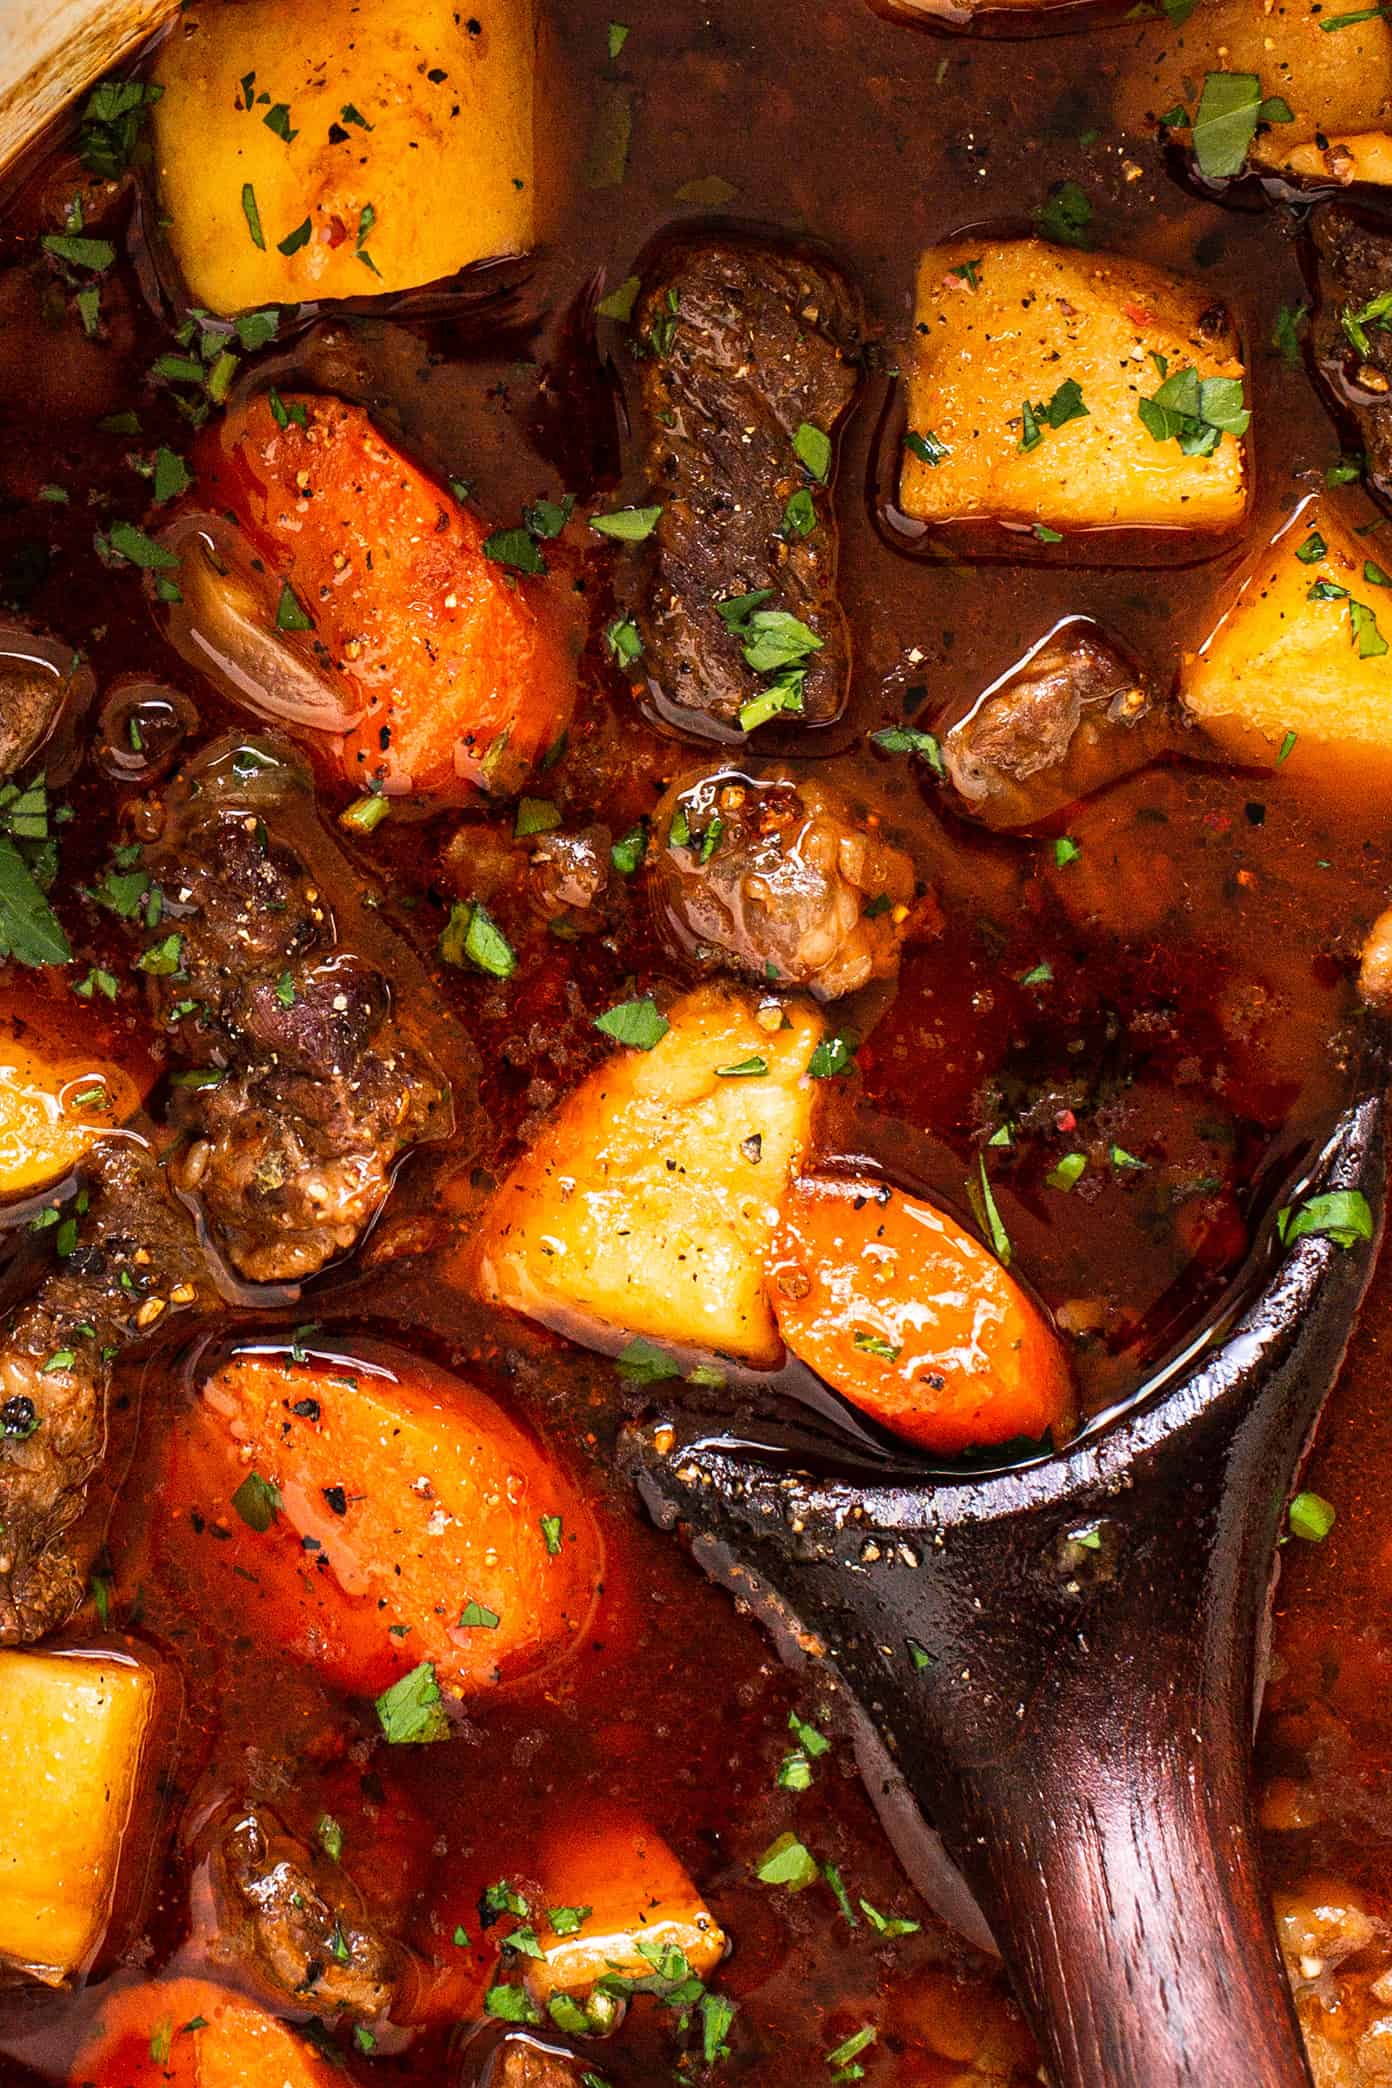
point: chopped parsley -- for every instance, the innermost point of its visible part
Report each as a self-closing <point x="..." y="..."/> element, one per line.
<point x="833" y="1056"/>
<point x="1225" y="122"/>
<point x="329" y="1835"/>
<point x="535" y="816"/>
<point x="1285" y="333"/>
<point x="620" y="302"/>
<point x="476" y="1617"/>
<point x="629" y="525"/>
<point x="1066" y="218"/>
<point x="253" y="216"/>
<point x="842" y="2059"/>
<point x="517" y="548"/>
<point x="291" y="615"/>
<point x="1340" y="1215"/>
<point x="257" y="1502"/>
<point x="293" y="241"/>
<point x="627" y="853"/>
<point x="1376" y="312"/>
<point x="511" y="2004"/>
<point x="643" y="1363"/>
<point x="472" y="936"/>
<point x="926" y="447"/>
<point x="813" y="450"/>
<point x="889" y="1924"/>
<point x="410" y="1713"/>
<point x="799" y="514"/>
<point x="109" y="136"/>
<point x="876" y="1345"/>
<point x="907" y="739"/>
<point x="1195" y="412"/>
<point x="637" y="1023"/>
<point x="786" y="1862"/>
<point x="1311" y="1517"/>
<point x="623" y="641"/>
<point x="988" y="1217"/>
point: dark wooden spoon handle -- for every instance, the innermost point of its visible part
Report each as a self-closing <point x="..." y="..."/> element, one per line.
<point x="1131" y="1909"/>
<point x="1112" y="1847"/>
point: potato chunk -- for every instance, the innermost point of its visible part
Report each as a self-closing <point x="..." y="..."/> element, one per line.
<point x="1301" y="646"/>
<point x="610" y="1886"/>
<point x="1333" y="85"/>
<point x="339" y="148"/>
<point x="648" y="1202"/>
<point x="72" y="1733"/>
<point x="1028" y="369"/>
<point x="52" y="1112"/>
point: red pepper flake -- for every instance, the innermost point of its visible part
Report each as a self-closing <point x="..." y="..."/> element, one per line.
<point x="1065" y="1120"/>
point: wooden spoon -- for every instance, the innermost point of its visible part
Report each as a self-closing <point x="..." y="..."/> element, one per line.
<point x="1062" y="1658"/>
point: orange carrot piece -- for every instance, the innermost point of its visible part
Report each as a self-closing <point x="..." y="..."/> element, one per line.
<point x="410" y="1520"/>
<point x="465" y="672"/>
<point x="189" y="2033"/>
<point x="911" y="1319"/>
<point x="616" y="1885"/>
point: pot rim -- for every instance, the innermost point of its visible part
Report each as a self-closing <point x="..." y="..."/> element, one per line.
<point x="51" y="50"/>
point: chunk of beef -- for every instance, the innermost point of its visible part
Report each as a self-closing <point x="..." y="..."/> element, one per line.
<point x="569" y="875"/>
<point x="1071" y="718"/>
<point x="302" y="1087"/>
<point x="1353" y="260"/>
<point x="520" y="2064"/>
<point x="779" y="878"/>
<point x="299" y="1922"/>
<point x="744" y="345"/>
<point x="40" y="679"/>
<point x="124" y="1257"/>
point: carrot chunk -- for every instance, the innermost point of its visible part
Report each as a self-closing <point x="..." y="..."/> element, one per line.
<point x="613" y="1892"/>
<point x="188" y="2033"/>
<point x="376" y="1520"/>
<point x="458" y="675"/>
<point x="911" y="1319"/>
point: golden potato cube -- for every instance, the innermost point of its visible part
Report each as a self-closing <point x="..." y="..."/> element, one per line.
<point x="72" y="1733"/>
<point x="384" y="146"/>
<point x="1002" y="323"/>
<point x="54" y="1111"/>
<point x="1331" y="84"/>
<point x="1300" y="645"/>
<point x="647" y="1204"/>
<point x="616" y="1884"/>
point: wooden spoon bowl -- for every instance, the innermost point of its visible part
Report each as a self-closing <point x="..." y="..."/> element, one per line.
<point x="1063" y="1659"/>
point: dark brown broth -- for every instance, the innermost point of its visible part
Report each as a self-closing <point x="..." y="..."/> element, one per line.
<point x="1200" y="948"/>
